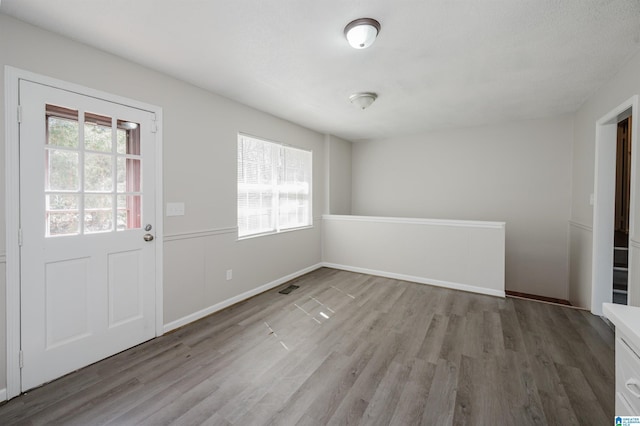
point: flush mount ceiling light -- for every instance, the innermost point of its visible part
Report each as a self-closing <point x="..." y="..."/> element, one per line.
<point x="362" y="32"/>
<point x="363" y="100"/>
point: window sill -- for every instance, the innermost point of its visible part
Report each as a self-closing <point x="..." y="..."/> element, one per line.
<point x="264" y="234"/>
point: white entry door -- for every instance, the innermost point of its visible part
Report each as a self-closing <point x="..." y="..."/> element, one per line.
<point x="87" y="214"/>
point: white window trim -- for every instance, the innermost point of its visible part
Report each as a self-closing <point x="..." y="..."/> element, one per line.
<point x="282" y="231"/>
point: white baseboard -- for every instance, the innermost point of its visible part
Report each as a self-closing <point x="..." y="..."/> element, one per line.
<point x="243" y="296"/>
<point x="239" y="298"/>
<point x="3" y="394"/>
<point x="419" y="280"/>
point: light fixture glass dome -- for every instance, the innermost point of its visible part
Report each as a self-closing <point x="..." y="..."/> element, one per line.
<point x="362" y="32"/>
<point x="363" y="100"/>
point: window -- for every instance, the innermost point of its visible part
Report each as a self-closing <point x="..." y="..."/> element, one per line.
<point x="274" y="187"/>
<point x="92" y="173"/>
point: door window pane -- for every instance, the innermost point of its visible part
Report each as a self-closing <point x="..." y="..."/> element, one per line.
<point x="98" y="213"/>
<point x="97" y="133"/>
<point x="61" y="170"/>
<point x="121" y="141"/>
<point x="62" y="217"/>
<point x="128" y="175"/>
<point x="128" y="138"/>
<point x="62" y="128"/>
<point x="129" y="209"/>
<point x="98" y="172"/>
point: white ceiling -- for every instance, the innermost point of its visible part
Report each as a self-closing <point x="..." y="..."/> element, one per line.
<point x="436" y="64"/>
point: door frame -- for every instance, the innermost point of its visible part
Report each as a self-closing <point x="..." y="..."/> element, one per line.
<point x="12" y="220"/>
<point x="604" y="205"/>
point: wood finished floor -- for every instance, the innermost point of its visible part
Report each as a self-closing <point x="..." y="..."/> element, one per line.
<point x="348" y="348"/>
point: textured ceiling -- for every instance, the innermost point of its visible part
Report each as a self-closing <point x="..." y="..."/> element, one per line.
<point x="436" y="64"/>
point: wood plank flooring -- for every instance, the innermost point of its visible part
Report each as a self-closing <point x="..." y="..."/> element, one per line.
<point x="349" y="348"/>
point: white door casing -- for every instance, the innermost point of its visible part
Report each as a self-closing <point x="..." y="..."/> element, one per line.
<point x="603" y="209"/>
<point x="89" y="295"/>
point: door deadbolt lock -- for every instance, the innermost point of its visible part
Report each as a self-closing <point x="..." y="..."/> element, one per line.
<point x="148" y="227"/>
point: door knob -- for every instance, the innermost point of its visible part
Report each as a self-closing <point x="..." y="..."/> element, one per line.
<point x="148" y="237"/>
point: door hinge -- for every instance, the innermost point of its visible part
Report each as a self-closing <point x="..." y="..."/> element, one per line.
<point x="19" y="116"/>
<point x="21" y="359"/>
<point x="154" y="126"/>
<point x="20" y="237"/>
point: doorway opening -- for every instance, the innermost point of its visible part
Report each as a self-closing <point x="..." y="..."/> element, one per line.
<point x="622" y="207"/>
<point x="611" y="212"/>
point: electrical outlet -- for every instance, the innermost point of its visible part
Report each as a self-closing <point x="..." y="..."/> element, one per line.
<point x="229" y="274"/>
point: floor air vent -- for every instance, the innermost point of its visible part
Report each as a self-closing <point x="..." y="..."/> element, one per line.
<point x="288" y="289"/>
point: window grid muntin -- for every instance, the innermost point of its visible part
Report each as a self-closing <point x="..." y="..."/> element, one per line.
<point x="132" y="142"/>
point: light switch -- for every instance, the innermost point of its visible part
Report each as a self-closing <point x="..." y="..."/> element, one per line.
<point x="175" y="209"/>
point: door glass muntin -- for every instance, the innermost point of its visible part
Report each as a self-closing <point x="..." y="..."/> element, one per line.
<point x="93" y="173"/>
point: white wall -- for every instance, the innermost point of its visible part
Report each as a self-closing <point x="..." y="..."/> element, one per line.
<point x="621" y="87"/>
<point x="338" y="152"/>
<point x="200" y="130"/>
<point x="518" y="173"/>
<point x="462" y="255"/>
